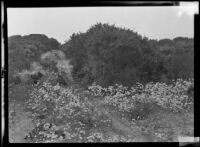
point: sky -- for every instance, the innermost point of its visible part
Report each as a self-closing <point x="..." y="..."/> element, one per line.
<point x="60" y="23"/>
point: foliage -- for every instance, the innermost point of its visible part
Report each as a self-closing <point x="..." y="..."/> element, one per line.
<point x="108" y="54"/>
<point x="61" y="107"/>
<point x="50" y="58"/>
<point x="178" y="57"/>
<point x="72" y="113"/>
<point x="56" y="61"/>
<point x="105" y="53"/>
<point x="173" y="96"/>
<point x="23" y="50"/>
<point x="63" y="87"/>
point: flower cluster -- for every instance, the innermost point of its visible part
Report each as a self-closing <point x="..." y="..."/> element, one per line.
<point x="173" y="96"/>
<point x="53" y="104"/>
<point x="57" y="105"/>
<point x="100" y="137"/>
<point x="74" y="109"/>
<point x="53" y="101"/>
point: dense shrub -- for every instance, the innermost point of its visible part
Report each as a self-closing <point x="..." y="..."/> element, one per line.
<point x="49" y="59"/>
<point x="23" y="50"/>
<point x="68" y="109"/>
<point x="28" y="77"/>
<point x="62" y="107"/>
<point x="56" y="61"/>
<point x="173" y="96"/>
<point x="108" y="54"/>
<point x="64" y="67"/>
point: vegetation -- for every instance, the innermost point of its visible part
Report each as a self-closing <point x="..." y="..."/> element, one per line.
<point x="109" y="84"/>
<point x="107" y="55"/>
<point x="23" y="50"/>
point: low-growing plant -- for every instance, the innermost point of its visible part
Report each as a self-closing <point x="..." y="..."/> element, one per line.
<point x="74" y="109"/>
<point x="172" y="96"/>
<point x="57" y="105"/>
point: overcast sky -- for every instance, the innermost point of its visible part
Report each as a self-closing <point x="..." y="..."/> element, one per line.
<point x="60" y="23"/>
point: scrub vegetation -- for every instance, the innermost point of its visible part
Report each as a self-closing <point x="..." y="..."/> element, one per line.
<point x="108" y="84"/>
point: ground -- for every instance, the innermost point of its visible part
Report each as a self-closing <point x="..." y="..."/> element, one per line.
<point x="161" y="125"/>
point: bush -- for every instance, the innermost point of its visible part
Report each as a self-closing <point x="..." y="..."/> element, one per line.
<point x="109" y="54"/>
<point x="172" y="96"/>
<point x="72" y="111"/>
<point x="59" y="106"/>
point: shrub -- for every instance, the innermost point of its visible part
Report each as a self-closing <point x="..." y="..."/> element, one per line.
<point x="64" y="67"/>
<point x="172" y="96"/>
<point x="72" y="112"/>
<point x="50" y="58"/>
<point x="59" y="106"/>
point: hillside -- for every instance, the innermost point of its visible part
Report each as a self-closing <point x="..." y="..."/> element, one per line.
<point x="108" y="84"/>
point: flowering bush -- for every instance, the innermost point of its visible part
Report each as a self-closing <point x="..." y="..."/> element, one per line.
<point x="52" y="56"/>
<point x="173" y="96"/>
<point x="66" y="107"/>
<point x="53" y="101"/>
<point x="68" y="114"/>
<point x="65" y="67"/>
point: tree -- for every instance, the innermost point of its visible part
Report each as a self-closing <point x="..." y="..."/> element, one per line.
<point x="107" y="54"/>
